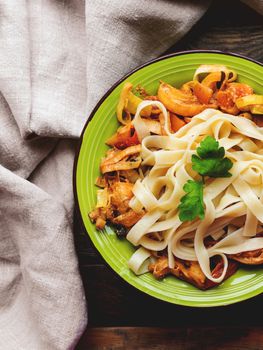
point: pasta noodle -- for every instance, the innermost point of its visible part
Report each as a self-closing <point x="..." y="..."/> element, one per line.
<point x="159" y="192"/>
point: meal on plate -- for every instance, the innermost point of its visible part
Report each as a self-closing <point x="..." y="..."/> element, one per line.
<point x="183" y="177"/>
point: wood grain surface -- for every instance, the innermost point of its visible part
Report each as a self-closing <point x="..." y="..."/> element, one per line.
<point x="229" y="26"/>
<point x="232" y="338"/>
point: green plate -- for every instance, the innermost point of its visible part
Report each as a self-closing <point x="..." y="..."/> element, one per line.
<point x="174" y="69"/>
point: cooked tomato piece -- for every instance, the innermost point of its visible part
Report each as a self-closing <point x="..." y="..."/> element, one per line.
<point x="125" y="136"/>
<point x="226" y="98"/>
<point x="176" y="122"/>
<point x="202" y="92"/>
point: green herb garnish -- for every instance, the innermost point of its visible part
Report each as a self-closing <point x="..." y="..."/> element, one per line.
<point x="211" y="161"/>
<point x="192" y="204"/>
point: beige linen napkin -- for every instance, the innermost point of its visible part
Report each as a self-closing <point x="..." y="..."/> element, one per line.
<point x="56" y="60"/>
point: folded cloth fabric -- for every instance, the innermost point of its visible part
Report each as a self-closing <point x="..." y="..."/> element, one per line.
<point x="57" y="58"/>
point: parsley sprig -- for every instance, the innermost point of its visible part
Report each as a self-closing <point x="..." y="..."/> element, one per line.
<point x="209" y="161"/>
<point x="192" y="204"/>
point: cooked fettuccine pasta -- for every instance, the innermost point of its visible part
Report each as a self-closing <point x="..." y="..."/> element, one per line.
<point x="238" y="196"/>
<point x="183" y="179"/>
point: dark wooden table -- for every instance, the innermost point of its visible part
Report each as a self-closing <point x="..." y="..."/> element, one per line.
<point x="121" y="317"/>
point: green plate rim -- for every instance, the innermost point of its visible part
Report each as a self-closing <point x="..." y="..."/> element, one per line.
<point x="77" y="207"/>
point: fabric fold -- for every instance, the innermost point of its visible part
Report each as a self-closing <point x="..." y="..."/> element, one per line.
<point x="58" y="69"/>
<point x="39" y="240"/>
<point x="15" y="62"/>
